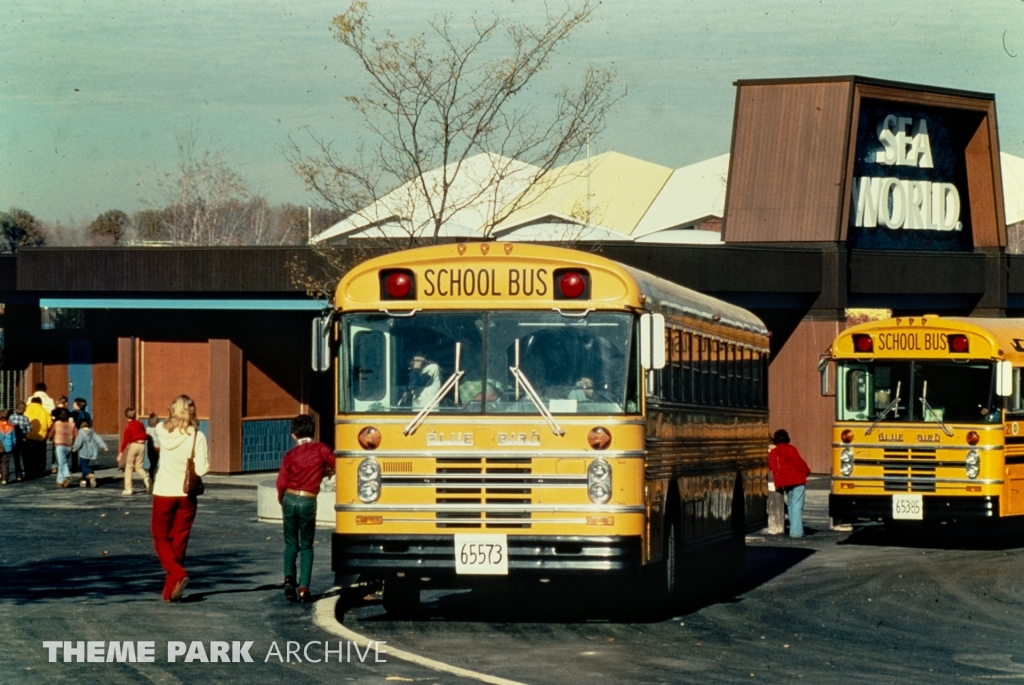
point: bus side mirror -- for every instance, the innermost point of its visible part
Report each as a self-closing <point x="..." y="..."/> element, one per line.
<point x="321" y="344"/>
<point x="823" y="370"/>
<point x="652" y="341"/>
<point x="1004" y="378"/>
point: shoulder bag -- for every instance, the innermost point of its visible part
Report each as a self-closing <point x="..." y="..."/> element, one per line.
<point x="193" y="485"/>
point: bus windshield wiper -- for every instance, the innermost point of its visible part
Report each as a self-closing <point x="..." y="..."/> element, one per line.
<point x="926" y="408"/>
<point x="892" y="405"/>
<point x="523" y="382"/>
<point x="446" y="387"/>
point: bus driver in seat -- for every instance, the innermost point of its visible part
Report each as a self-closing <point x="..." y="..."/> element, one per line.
<point x="584" y="389"/>
<point x="424" y="381"/>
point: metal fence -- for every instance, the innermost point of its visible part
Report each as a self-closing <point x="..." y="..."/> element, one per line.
<point x="12" y="388"/>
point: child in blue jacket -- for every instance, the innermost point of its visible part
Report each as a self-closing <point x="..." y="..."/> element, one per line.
<point x="88" y="445"/>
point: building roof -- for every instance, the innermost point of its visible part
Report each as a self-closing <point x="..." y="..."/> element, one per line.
<point x="692" y="194"/>
<point x="1013" y="187"/>
<point x="611" y="190"/>
<point x="404" y="212"/>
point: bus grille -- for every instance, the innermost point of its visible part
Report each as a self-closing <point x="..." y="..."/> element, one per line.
<point x="914" y="473"/>
<point x="483" y="490"/>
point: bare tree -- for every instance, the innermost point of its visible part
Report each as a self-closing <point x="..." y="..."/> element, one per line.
<point x="441" y="107"/>
<point x="204" y="201"/>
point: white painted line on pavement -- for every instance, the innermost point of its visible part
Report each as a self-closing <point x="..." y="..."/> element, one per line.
<point x="323" y="616"/>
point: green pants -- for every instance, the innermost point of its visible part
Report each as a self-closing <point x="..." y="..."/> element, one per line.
<point x="299" y="529"/>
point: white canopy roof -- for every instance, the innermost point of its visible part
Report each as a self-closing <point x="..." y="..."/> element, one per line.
<point x="405" y="212"/>
<point x="1013" y="187"/>
<point x="692" y="194"/>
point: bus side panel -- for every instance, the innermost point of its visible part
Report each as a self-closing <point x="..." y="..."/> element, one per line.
<point x="703" y="466"/>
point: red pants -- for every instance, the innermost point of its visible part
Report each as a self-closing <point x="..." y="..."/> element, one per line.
<point x="172" y="524"/>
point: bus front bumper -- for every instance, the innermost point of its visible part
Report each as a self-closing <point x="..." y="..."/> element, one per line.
<point x="853" y="508"/>
<point x="527" y="554"/>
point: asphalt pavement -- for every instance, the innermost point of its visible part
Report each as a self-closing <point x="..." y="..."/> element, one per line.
<point x="835" y="606"/>
<point x="78" y="565"/>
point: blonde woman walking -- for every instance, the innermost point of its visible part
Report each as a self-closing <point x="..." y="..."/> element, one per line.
<point x="173" y="510"/>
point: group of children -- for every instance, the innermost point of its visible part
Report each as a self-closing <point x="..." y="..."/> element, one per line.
<point x="25" y="431"/>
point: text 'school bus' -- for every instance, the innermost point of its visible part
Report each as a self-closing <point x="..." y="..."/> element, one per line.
<point x="493" y="419"/>
<point x="927" y="412"/>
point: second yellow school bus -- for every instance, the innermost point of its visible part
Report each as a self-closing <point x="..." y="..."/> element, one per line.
<point x="527" y="411"/>
<point x="929" y="421"/>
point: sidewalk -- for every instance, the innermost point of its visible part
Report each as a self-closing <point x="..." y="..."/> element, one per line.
<point x="240" y="480"/>
<point x="107" y="468"/>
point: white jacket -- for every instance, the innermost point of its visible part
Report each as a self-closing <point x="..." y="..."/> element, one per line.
<point x="175" y="448"/>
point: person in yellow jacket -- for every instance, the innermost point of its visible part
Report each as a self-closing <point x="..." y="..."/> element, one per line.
<point x="35" y="440"/>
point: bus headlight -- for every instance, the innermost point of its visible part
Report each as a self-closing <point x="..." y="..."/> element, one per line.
<point x="599" y="481"/>
<point x="846" y="461"/>
<point x="973" y="464"/>
<point x="368" y="480"/>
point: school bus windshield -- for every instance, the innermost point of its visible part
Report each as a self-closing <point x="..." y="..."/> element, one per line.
<point x="952" y="391"/>
<point x="577" y="365"/>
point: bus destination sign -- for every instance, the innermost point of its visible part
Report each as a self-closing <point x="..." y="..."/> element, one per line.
<point x="486" y="282"/>
<point x="911" y="341"/>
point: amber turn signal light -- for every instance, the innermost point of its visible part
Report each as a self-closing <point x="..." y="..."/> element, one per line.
<point x="599" y="438"/>
<point x="369" y="438"/>
<point x="846" y="436"/>
<point x="973" y="438"/>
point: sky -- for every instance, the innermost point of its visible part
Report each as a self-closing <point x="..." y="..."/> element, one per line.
<point x="93" y="92"/>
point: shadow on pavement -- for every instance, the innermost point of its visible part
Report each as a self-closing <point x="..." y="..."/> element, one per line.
<point x="574" y="599"/>
<point x="129" y="576"/>
<point x="201" y="596"/>
<point x="987" y="535"/>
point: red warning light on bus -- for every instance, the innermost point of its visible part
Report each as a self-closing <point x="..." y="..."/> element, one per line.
<point x="958" y="343"/>
<point x="397" y="284"/>
<point x="572" y="284"/>
<point x="863" y="343"/>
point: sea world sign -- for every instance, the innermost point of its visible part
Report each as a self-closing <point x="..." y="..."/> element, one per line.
<point x="908" y="177"/>
<point x="899" y="203"/>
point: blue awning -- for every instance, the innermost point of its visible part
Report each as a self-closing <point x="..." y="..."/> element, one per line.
<point x="305" y="305"/>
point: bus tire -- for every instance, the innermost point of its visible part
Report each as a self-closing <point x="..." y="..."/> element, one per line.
<point x="737" y="552"/>
<point x="401" y="598"/>
<point x="662" y="584"/>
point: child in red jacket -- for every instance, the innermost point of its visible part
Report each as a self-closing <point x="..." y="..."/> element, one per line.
<point x="790" y="472"/>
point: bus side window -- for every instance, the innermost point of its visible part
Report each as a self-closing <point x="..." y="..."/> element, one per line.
<point x="746" y="393"/>
<point x="734" y="373"/>
<point x="677" y="365"/>
<point x="368" y="367"/>
<point x="686" y="376"/>
<point x="1013" y="403"/>
<point x="700" y="368"/>
<point x="756" y="384"/>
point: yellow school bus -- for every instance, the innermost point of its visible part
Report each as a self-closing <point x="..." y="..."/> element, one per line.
<point x="927" y="412"/>
<point x="528" y="411"/>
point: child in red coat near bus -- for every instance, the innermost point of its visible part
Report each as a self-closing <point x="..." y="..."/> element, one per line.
<point x="790" y="471"/>
<point x="298" y="484"/>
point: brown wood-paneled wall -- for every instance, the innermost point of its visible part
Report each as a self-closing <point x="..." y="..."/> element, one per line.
<point x="794" y="393"/>
<point x="789" y="151"/>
